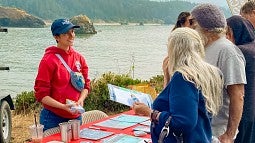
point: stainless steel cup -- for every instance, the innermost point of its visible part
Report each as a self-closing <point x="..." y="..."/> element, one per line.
<point x="65" y="131"/>
<point x="75" y="126"/>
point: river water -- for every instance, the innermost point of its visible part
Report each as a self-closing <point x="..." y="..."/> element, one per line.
<point x="114" y="48"/>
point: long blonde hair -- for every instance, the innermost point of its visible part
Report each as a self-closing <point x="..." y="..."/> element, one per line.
<point x="186" y="55"/>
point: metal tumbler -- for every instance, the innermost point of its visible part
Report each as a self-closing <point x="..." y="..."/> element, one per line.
<point x="65" y="131"/>
<point x="75" y="126"/>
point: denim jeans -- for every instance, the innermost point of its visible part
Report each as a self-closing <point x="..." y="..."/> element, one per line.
<point x="51" y="120"/>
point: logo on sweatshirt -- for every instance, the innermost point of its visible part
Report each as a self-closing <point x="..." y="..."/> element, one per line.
<point x="78" y="65"/>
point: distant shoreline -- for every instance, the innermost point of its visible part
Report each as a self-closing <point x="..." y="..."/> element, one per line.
<point x="102" y="24"/>
<point x="113" y="23"/>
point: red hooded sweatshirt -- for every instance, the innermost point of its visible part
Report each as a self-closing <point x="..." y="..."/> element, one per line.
<point x="53" y="79"/>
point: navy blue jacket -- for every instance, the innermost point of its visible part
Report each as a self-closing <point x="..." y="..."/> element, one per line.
<point x="185" y="103"/>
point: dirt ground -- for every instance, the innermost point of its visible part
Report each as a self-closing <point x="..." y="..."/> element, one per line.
<point x="20" y="127"/>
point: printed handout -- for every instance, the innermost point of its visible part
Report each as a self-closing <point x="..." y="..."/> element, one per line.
<point x="128" y="96"/>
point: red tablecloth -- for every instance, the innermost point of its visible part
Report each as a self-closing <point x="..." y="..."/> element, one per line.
<point x="129" y="131"/>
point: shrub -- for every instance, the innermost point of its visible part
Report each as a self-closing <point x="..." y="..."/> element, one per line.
<point x="26" y="103"/>
<point x="157" y="82"/>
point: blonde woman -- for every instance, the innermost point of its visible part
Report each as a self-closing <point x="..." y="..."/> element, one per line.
<point x="193" y="94"/>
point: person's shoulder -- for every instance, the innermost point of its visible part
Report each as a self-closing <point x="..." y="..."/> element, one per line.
<point x="76" y="53"/>
<point x="178" y="77"/>
<point x="225" y="44"/>
<point x="177" y="74"/>
<point x="50" y="54"/>
<point x="178" y="81"/>
<point x="228" y="48"/>
<point x="220" y="45"/>
<point x="248" y="48"/>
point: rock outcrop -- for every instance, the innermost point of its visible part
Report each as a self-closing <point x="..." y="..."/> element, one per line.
<point x="85" y="23"/>
<point x="13" y="17"/>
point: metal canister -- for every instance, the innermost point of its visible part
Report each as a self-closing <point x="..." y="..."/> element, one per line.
<point x="65" y="131"/>
<point x="75" y="126"/>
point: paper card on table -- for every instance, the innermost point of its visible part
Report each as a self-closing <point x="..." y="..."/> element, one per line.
<point x="146" y="123"/>
<point x="142" y="128"/>
<point x="115" y="124"/>
<point x="93" y="134"/>
<point x="127" y="96"/>
<point x="123" y="138"/>
<point x="130" y="118"/>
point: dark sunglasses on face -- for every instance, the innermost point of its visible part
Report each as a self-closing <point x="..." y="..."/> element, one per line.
<point x="191" y="21"/>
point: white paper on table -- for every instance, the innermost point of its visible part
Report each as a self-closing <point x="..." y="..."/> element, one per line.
<point x="128" y="96"/>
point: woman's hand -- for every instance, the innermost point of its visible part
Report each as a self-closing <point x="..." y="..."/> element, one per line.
<point x="80" y="102"/>
<point x="141" y="109"/>
<point x="67" y="107"/>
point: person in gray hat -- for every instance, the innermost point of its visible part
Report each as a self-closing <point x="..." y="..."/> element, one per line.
<point x="210" y="22"/>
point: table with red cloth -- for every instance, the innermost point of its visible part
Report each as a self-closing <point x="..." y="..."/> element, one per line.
<point x="128" y="131"/>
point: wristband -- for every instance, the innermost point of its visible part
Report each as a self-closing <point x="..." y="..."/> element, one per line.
<point x="154" y="115"/>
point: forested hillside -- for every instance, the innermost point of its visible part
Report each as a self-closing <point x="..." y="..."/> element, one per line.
<point x="104" y="10"/>
<point x="13" y="17"/>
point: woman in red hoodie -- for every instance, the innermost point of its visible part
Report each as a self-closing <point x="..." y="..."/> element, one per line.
<point x="53" y="86"/>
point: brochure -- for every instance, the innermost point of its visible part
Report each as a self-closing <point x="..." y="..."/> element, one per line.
<point x="115" y="124"/>
<point x="146" y="123"/>
<point x="123" y="138"/>
<point x="122" y="121"/>
<point x="142" y="128"/>
<point x="93" y="134"/>
<point x="130" y="118"/>
<point x="128" y="96"/>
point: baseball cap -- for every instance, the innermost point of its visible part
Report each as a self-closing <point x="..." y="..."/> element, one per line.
<point x="61" y="26"/>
